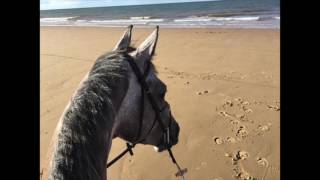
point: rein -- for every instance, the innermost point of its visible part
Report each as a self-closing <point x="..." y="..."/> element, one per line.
<point x="166" y="130"/>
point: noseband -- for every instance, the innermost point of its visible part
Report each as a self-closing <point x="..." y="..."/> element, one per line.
<point x="166" y="129"/>
<point x="146" y="90"/>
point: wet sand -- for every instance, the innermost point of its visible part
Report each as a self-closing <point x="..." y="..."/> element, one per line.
<point x="223" y="88"/>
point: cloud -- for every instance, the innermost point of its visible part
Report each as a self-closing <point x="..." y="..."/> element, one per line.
<point x="57" y="4"/>
<point x="65" y="4"/>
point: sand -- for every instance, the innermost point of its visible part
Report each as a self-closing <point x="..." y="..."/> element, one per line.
<point x="223" y="87"/>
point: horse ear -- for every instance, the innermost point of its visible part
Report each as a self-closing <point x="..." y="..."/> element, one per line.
<point x="146" y="50"/>
<point x="125" y="40"/>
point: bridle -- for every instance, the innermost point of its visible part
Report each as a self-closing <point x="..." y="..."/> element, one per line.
<point x="146" y="90"/>
<point x="166" y="129"/>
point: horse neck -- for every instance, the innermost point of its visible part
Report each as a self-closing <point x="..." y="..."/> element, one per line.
<point x="86" y="161"/>
<point x="85" y="134"/>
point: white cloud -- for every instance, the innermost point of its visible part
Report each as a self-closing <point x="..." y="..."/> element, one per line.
<point x="57" y="4"/>
<point x="65" y="4"/>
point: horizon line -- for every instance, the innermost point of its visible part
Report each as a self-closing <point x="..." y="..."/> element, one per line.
<point x="131" y="5"/>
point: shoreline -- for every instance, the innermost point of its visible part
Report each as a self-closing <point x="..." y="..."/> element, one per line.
<point x="162" y="27"/>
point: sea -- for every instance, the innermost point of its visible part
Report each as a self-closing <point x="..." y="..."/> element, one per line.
<point x="261" y="14"/>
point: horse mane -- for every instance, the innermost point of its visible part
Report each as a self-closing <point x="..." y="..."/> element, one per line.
<point x="82" y="142"/>
<point x="81" y="151"/>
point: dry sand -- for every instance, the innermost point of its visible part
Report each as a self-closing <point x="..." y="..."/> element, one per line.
<point x="223" y="87"/>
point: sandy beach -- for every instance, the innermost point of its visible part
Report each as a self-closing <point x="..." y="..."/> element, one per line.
<point x="223" y="88"/>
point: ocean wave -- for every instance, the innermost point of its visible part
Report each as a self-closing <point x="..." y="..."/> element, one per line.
<point x="249" y="13"/>
<point x="208" y="19"/>
<point x="140" y="17"/>
<point x="248" y="18"/>
<point x="57" y="19"/>
<point x="81" y="20"/>
<point x="193" y="19"/>
<point x="124" y="21"/>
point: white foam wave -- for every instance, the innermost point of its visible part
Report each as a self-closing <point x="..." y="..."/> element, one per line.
<point x="193" y="19"/>
<point x="57" y="19"/>
<point x="249" y="18"/>
<point x="208" y="19"/>
<point x="140" y="17"/>
<point x="126" y="21"/>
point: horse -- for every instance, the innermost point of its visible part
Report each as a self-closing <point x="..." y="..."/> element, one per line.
<point x="121" y="96"/>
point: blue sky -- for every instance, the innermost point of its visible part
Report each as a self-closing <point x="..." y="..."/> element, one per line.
<point x="65" y="4"/>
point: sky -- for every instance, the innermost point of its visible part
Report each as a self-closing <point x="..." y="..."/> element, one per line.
<point x="66" y="4"/>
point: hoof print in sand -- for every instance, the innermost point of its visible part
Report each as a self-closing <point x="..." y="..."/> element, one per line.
<point x="240" y="173"/>
<point x="203" y="92"/>
<point x="241" y="155"/>
<point x="275" y="108"/>
<point x="228" y="103"/>
<point x="242" y="133"/>
<point x="224" y="113"/>
<point x="234" y="122"/>
<point x="239" y="99"/>
<point x="240" y="116"/>
<point x="263" y="129"/>
<point x="217" y="140"/>
<point x="243" y="175"/>
<point x="231" y="140"/>
<point x="246" y="103"/>
<point x="262" y="162"/>
<point x="247" y="110"/>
